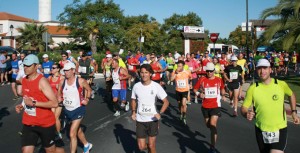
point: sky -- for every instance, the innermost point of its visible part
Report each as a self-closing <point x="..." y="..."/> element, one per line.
<point x="220" y="16"/>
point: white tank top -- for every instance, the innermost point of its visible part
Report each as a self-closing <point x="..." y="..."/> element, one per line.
<point x="71" y="96"/>
<point x="115" y="76"/>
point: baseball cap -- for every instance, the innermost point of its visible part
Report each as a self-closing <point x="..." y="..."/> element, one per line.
<point x="234" y="58"/>
<point x="263" y="63"/>
<point x="210" y="66"/>
<point x="68" y="51"/>
<point x="45" y="56"/>
<point x="31" y="59"/>
<point x="109" y="56"/>
<point x="89" y="53"/>
<point x="69" y="66"/>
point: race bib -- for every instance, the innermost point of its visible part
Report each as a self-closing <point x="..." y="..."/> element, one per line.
<point x="147" y="110"/>
<point x="211" y="92"/>
<point x="46" y="70"/>
<point x="82" y="69"/>
<point x="107" y="73"/>
<point x="15" y="71"/>
<point x="130" y="67"/>
<point x="181" y="84"/>
<point x="116" y="80"/>
<point x="286" y="59"/>
<point x="68" y="103"/>
<point x="29" y="110"/>
<point x="153" y="75"/>
<point x="233" y="75"/>
<point x="271" y="137"/>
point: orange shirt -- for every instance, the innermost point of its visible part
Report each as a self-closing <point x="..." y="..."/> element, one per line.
<point x="182" y="80"/>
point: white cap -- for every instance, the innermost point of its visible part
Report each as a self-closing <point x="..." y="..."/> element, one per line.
<point x="45" y="56"/>
<point x="109" y="55"/>
<point x="210" y="66"/>
<point x="234" y="58"/>
<point x="68" y="51"/>
<point x="69" y="66"/>
<point x="263" y="62"/>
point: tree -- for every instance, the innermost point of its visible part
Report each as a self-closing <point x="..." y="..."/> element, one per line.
<point x="31" y="37"/>
<point x="238" y="37"/>
<point x="97" y="23"/>
<point x="287" y="26"/>
<point x="173" y="27"/>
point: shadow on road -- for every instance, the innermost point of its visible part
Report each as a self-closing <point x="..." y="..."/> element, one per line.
<point x="191" y="143"/>
<point x="126" y="138"/>
<point x="3" y="112"/>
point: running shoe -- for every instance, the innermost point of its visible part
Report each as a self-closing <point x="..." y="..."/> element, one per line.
<point x="129" y="88"/>
<point x="122" y="105"/>
<point x="184" y="121"/>
<point x="212" y="150"/>
<point x="235" y="114"/>
<point x="196" y="101"/>
<point x="117" y="113"/>
<point x="87" y="148"/>
<point x="127" y="107"/>
<point x="169" y="82"/>
<point x="16" y="98"/>
<point x="188" y="103"/>
<point x="93" y="94"/>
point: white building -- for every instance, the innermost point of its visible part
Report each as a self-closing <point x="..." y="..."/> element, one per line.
<point x="10" y="23"/>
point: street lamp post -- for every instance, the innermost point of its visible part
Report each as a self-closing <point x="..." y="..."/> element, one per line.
<point x="247" y="47"/>
<point x="141" y="41"/>
<point x="11" y="27"/>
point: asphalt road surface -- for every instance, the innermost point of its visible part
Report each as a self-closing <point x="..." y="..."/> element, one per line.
<point x="110" y="134"/>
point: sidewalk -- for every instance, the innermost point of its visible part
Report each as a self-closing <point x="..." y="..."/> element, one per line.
<point x="286" y="102"/>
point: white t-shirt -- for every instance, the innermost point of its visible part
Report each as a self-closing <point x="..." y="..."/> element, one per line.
<point x="145" y="96"/>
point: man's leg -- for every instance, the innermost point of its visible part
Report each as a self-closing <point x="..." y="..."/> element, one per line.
<point x="213" y="130"/>
<point x="152" y="144"/>
<point x="142" y="143"/>
<point x="235" y="100"/>
<point x="28" y="149"/>
<point x="73" y="134"/>
<point x="14" y="89"/>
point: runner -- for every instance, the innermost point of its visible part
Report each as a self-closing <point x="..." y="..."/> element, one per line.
<point x="147" y="60"/>
<point x="38" y="99"/>
<point x="107" y="71"/>
<point x="193" y="67"/>
<point x="119" y="76"/>
<point x="14" y="73"/>
<point x="182" y="78"/>
<point x="71" y="58"/>
<point x="267" y="98"/>
<point x="171" y="63"/>
<point x="132" y="64"/>
<point x="20" y="74"/>
<point x="144" y="111"/>
<point x="46" y="66"/>
<point x="54" y="80"/>
<point x="233" y="76"/>
<point x="157" y="69"/>
<point x="74" y="101"/>
<point x="211" y="90"/>
<point x="243" y="63"/>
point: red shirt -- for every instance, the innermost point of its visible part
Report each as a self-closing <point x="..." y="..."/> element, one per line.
<point x="211" y="88"/>
<point x="38" y="116"/>
<point x="54" y="84"/>
<point x="155" y="67"/>
<point x="131" y="64"/>
<point x="223" y="63"/>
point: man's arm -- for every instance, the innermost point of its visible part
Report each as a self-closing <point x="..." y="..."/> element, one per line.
<point x="45" y="87"/>
<point x="133" y="108"/>
<point x="293" y="107"/>
<point x="124" y="72"/>
<point x="88" y="90"/>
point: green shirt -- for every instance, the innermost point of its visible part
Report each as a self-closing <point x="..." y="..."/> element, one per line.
<point x="268" y="102"/>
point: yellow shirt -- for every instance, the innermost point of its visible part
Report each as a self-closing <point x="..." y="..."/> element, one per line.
<point x="122" y="64"/>
<point x="268" y="101"/>
<point x="218" y="70"/>
<point x="242" y="63"/>
<point x="185" y="67"/>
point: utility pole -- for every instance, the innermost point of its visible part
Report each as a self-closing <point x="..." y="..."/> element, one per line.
<point x="247" y="26"/>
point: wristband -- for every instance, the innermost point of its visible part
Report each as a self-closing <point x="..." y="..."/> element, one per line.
<point x="294" y="111"/>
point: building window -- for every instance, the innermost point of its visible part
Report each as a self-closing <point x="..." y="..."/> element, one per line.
<point x="1" y="28"/>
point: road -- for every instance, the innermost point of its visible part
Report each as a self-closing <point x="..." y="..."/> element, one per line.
<point x="111" y="134"/>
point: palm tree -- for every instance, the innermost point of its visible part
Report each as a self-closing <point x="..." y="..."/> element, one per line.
<point x="287" y="26"/>
<point x="31" y="37"/>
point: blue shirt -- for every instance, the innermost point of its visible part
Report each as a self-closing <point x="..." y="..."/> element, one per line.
<point x="15" y="68"/>
<point x="142" y="59"/>
<point x="47" y="67"/>
<point x="163" y="64"/>
<point x="2" y="65"/>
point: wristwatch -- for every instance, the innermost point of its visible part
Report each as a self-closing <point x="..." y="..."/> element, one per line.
<point x="294" y="111"/>
<point x="33" y="103"/>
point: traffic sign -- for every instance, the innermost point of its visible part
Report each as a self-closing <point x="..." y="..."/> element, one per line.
<point x="214" y="37"/>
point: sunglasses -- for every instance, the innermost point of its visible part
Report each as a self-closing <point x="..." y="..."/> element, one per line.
<point x="210" y="71"/>
<point x="152" y="57"/>
<point x="28" y="65"/>
<point x="54" y="67"/>
<point x="63" y="56"/>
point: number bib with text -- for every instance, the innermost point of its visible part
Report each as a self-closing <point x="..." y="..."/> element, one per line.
<point x="130" y="67"/>
<point x="211" y="92"/>
<point x="29" y="110"/>
<point x="233" y="75"/>
<point x="147" y="110"/>
<point x="271" y="137"/>
<point x="181" y="84"/>
<point x="46" y="70"/>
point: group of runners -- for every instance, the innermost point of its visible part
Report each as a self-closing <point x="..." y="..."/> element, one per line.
<point x="49" y="88"/>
